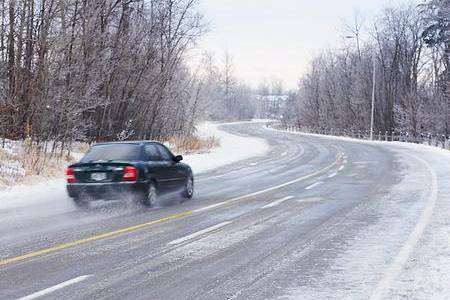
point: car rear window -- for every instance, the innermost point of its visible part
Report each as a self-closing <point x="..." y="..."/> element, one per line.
<point x="111" y="152"/>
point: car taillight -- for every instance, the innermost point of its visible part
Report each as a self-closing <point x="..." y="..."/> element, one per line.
<point x="70" y="175"/>
<point x="130" y="174"/>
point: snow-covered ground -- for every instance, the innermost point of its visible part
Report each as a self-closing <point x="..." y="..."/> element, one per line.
<point x="10" y="169"/>
<point x="232" y="149"/>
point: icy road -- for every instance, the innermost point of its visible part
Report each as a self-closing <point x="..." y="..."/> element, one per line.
<point x="314" y="218"/>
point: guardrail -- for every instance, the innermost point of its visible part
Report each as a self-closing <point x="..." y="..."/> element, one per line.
<point x="432" y="139"/>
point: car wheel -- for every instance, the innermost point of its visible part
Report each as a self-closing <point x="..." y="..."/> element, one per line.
<point x="188" y="192"/>
<point x="149" y="197"/>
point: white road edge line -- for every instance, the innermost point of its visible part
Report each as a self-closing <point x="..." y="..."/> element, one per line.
<point x="332" y="175"/>
<point x="210" y="206"/>
<point x="402" y="257"/>
<point x="56" y="287"/>
<point x="309" y="200"/>
<point x="313" y="185"/>
<point x="199" y="233"/>
<point x="277" y="202"/>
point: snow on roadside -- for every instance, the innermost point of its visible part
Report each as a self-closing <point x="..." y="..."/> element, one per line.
<point x="10" y="169"/>
<point x="426" y="274"/>
<point x="232" y="149"/>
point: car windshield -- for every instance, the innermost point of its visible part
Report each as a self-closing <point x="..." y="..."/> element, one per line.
<point x="111" y="152"/>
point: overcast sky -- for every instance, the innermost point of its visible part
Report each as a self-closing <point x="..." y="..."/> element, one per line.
<point x="277" y="38"/>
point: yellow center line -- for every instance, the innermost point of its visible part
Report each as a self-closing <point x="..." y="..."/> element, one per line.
<point x="92" y="238"/>
<point x="158" y="221"/>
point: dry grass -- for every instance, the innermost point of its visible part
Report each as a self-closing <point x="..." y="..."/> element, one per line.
<point x="80" y="147"/>
<point x="3" y="157"/>
<point x="3" y="154"/>
<point x="192" y="144"/>
<point x="35" y="162"/>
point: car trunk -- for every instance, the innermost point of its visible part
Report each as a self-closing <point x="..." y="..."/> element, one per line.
<point x="99" y="172"/>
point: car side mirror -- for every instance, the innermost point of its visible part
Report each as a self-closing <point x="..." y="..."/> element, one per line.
<point x="178" y="158"/>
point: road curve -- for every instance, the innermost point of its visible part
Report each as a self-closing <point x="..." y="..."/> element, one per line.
<point x="314" y="218"/>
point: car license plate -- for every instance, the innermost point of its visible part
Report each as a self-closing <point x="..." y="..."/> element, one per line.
<point x="98" y="176"/>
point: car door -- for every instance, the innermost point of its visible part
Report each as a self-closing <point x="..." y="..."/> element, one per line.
<point x="158" y="167"/>
<point x="176" y="174"/>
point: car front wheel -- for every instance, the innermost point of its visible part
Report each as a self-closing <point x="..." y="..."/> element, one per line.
<point x="188" y="192"/>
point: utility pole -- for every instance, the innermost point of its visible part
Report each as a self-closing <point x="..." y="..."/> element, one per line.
<point x="373" y="96"/>
<point x="374" y="74"/>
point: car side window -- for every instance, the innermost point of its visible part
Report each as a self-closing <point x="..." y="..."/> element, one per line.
<point x="152" y="153"/>
<point x="165" y="154"/>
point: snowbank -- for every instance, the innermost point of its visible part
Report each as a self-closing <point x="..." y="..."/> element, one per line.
<point x="10" y="168"/>
<point x="232" y="149"/>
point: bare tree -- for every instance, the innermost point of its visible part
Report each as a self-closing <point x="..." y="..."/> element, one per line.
<point x="97" y="70"/>
<point x="411" y="79"/>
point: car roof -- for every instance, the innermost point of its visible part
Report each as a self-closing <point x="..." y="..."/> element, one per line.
<point x="140" y="143"/>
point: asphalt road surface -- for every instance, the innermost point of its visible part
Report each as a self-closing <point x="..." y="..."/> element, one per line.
<point x="314" y="218"/>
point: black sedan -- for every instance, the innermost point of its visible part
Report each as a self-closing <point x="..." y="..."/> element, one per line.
<point x="143" y="169"/>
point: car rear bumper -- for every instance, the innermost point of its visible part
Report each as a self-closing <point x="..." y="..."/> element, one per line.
<point x="105" y="191"/>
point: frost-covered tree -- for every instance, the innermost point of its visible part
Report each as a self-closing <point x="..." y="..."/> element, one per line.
<point x="409" y="45"/>
<point x="97" y="69"/>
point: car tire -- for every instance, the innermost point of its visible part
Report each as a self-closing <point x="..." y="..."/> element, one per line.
<point x="148" y="198"/>
<point x="188" y="191"/>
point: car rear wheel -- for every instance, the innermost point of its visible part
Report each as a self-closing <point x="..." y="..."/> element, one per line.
<point x="188" y="192"/>
<point x="148" y="198"/>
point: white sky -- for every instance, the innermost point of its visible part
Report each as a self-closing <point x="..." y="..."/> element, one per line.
<point x="277" y="38"/>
